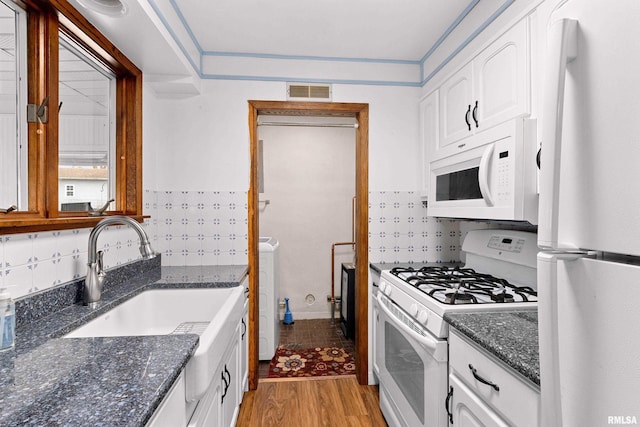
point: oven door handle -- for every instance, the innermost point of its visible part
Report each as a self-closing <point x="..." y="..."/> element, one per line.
<point x="427" y="342"/>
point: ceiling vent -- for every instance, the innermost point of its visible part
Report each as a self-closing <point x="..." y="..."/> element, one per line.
<point x="304" y="92"/>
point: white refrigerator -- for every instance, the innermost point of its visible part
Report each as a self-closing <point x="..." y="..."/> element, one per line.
<point x="589" y="226"/>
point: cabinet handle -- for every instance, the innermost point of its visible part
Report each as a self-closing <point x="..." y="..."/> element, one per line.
<point x="228" y="376"/>
<point x="482" y="380"/>
<point x="475" y="114"/>
<point x="446" y="404"/>
<point x="538" y="157"/>
<point x="226" y="380"/>
<point x="226" y="385"/>
<point x="466" y="117"/>
<point x="244" y="329"/>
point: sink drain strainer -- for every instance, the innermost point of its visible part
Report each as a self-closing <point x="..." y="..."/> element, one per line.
<point x="190" y="328"/>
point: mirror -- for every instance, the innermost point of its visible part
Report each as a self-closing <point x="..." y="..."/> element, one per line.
<point x="86" y="169"/>
<point x="13" y="127"/>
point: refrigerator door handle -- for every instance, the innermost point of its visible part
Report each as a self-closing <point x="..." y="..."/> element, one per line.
<point x="561" y="49"/>
<point x="483" y="175"/>
<point x="551" y="408"/>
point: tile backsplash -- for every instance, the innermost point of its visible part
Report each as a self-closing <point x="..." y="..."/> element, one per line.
<point x="210" y="228"/>
<point x="199" y="227"/>
<point x="400" y="231"/>
<point x="34" y="262"/>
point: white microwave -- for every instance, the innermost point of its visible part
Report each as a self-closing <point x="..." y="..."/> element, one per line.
<point x="493" y="176"/>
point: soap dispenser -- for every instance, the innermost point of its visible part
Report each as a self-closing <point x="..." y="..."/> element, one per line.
<point x="7" y="321"/>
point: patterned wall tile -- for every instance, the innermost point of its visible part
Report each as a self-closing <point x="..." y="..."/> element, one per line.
<point x="209" y="228"/>
<point x="33" y="262"/>
<point x="201" y="228"/>
<point x="401" y="231"/>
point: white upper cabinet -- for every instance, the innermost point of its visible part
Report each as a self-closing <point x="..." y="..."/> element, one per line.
<point x="492" y="88"/>
<point x="428" y="135"/>
<point x="502" y="78"/>
<point x="456" y="95"/>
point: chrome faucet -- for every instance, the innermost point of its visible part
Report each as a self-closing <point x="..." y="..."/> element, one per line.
<point x="95" y="273"/>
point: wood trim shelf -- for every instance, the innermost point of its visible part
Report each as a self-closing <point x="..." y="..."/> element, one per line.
<point x="60" y="223"/>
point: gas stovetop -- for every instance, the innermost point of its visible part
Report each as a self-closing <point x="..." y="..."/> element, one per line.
<point x="456" y="285"/>
<point x="499" y="274"/>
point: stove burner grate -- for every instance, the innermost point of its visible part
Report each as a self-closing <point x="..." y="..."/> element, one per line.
<point x="458" y="285"/>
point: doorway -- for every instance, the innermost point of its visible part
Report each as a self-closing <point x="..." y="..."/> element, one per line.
<point x="360" y="112"/>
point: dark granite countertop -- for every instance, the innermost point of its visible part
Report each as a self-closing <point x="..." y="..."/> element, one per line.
<point x="511" y="336"/>
<point x="119" y="381"/>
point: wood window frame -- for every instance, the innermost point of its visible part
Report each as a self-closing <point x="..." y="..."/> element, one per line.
<point x="45" y="19"/>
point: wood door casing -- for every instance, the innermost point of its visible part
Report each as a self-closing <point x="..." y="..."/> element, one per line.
<point x="361" y="113"/>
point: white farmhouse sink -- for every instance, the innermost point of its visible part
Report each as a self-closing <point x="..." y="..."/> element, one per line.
<point x="212" y="313"/>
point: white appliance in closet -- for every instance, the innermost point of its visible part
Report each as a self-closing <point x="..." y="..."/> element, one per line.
<point x="269" y="295"/>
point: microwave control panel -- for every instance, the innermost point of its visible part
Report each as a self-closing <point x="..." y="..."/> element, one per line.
<point x="503" y="171"/>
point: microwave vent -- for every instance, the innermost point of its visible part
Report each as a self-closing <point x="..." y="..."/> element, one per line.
<point x="302" y="92"/>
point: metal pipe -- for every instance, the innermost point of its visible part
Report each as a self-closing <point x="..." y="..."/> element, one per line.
<point x="333" y="261"/>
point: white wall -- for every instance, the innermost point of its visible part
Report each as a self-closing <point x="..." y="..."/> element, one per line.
<point x="214" y="125"/>
<point x="202" y="142"/>
<point x="309" y="180"/>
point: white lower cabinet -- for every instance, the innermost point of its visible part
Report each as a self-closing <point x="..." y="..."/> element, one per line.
<point x="484" y="392"/>
<point x="220" y="404"/>
<point x="171" y="412"/>
<point x="244" y="343"/>
<point x="230" y="399"/>
<point x="208" y="410"/>
<point x="467" y="409"/>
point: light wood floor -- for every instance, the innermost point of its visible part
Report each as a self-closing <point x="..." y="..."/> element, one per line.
<point x="311" y="402"/>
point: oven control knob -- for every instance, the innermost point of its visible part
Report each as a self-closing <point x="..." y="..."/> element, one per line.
<point x="387" y="290"/>
<point x="413" y="310"/>
<point x="423" y="316"/>
<point x="382" y="286"/>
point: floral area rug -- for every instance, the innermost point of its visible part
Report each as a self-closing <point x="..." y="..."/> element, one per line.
<point x="311" y="362"/>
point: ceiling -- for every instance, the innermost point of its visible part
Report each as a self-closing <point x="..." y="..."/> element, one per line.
<point x="378" y="29"/>
<point x="361" y="30"/>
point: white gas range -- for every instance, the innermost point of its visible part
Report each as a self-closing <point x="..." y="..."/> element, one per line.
<point x="411" y="354"/>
